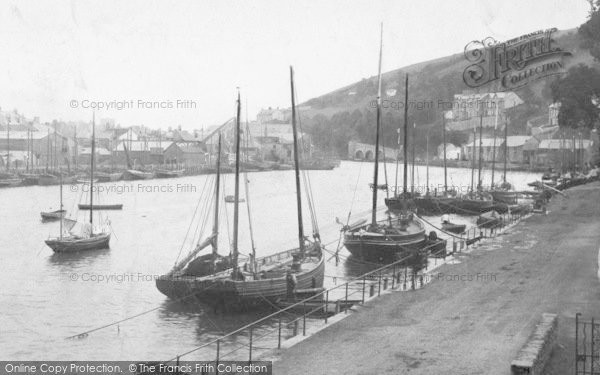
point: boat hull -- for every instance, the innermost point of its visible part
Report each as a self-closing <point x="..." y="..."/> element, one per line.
<point x="169" y="173"/>
<point x="131" y="175"/>
<point x="239" y="294"/>
<point x="69" y="245"/>
<point x="54" y="215"/>
<point x="101" y="206"/>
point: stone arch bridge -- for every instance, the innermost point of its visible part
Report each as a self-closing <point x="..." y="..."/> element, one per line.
<point x="363" y="151"/>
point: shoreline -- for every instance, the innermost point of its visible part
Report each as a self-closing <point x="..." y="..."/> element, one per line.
<point x="544" y="264"/>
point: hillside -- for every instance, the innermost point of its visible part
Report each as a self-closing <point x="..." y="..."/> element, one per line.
<point x="348" y="114"/>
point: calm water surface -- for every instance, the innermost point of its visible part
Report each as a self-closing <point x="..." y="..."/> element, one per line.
<point x="47" y="297"/>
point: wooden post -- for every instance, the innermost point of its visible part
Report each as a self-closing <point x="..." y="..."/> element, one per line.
<point x="304" y="320"/>
<point x="279" y="334"/>
<point x="363" y="289"/>
<point x="218" y="352"/>
<point x="327" y="302"/>
<point x="250" y="349"/>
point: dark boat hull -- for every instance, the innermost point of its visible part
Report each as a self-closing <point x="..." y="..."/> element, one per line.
<point x="54" y="215"/>
<point x="131" y="175"/>
<point x="96" y="242"/>
<point x="454" y="228"/>
<point x="503" y="196"/>
<point x="101" y="206"/>
<point x="169" y="174"/>
<point x="383" y="250"/>
<point x="239" y="294"/>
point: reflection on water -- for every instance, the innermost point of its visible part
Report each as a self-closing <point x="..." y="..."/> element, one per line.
<point x="47" y="297"/>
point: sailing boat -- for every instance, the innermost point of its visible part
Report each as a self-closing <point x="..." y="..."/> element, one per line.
<point x="390" y="239"/>
<point x="86" y="239"/>
<point x="259" y="280"/>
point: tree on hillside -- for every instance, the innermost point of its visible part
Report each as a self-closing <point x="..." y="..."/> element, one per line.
<point x="579" y="95"/>
<point x="590" y="31"/>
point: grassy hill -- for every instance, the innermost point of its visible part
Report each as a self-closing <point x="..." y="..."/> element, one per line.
<point x="348" y="114"/>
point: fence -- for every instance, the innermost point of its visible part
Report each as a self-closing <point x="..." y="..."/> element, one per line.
<point x="587" y="346"/>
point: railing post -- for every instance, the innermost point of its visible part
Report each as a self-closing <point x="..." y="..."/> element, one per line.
<point x="413" y="280"/>
<point x="304" y="320"/>
<point x="327" y="303"/>
<point x="218" y="352"/>
<point x="394" y="276"/>
<point x="576" y="341"/>
<point x="346" y="304"/>
<point x="379" y="285"/>
<point x="592" y="343"/>
<point x="279" y="334"/>
<point x="363" y="289"/>
<point x="250" y="350"/>
<point x="296" y="327"/>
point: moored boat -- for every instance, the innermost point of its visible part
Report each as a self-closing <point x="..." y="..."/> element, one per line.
<point x="115" y="206"/>
<point x="392" y="239"/>
<point x="452" y="227"/>
<point x="489" y="220"/>
<point x="134" y="174"/>
<point x="85" y="239"/>
<point x="53" y="215"/>
<point x="168" y="173"/>
<point x="220" y="282"/>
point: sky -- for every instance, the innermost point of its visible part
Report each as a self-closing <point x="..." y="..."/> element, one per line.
<point x="166" y="63"/>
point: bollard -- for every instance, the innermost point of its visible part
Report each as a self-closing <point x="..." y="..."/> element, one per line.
<point x="453" y="247"/>
<point x="295" y="327"/>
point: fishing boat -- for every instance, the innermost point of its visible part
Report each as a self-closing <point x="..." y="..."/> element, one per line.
<point x="231" y="199"/>
<point x="116" y="206"/>
<point x="490" y="219"/>
<point x="134" y="174"/>
<point x="390" y="239"/>
<point x="10" y="182"/>
<point x="86" y="238"/>
<point x="168" y="173"/>
<point x="108" y="177"/>
<point x="221" y="281"/>
<point x="53" y="215"/>
<point x="29" y="178"/>
<point x="451" y="227"/>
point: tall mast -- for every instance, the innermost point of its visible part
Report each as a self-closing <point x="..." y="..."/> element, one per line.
<point x="48" y="150"/>
<point x="444" y="140"/>
<point x="494" y="148"/>
<point x="236" y="205"/>
<point x="93" y="152"/>
<point x="217" y="189"/>
<point x="378" y="124"/>
<point x="61" y="206"/>
<point x="297" y="166"/>
<point x="405" y="134"/>
<point x="505" y="147"/>
<point x="473" y="159"/>
<point x="8" y="144"/>
<point x="55" y="157"/>
<point x="427" y="155"/>
<point x="480" y="149"/>
<point x="247" y="192"/>
<point x="412" y="170"/>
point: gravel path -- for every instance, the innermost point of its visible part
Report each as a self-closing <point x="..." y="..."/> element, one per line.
<point x="477" y="325"/>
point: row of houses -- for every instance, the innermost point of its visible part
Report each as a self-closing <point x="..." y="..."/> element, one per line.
<point x="529" y="150"/>
<point x="29" y="143"/>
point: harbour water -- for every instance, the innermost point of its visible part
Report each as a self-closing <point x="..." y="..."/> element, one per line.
<point x="48" y="297"/>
